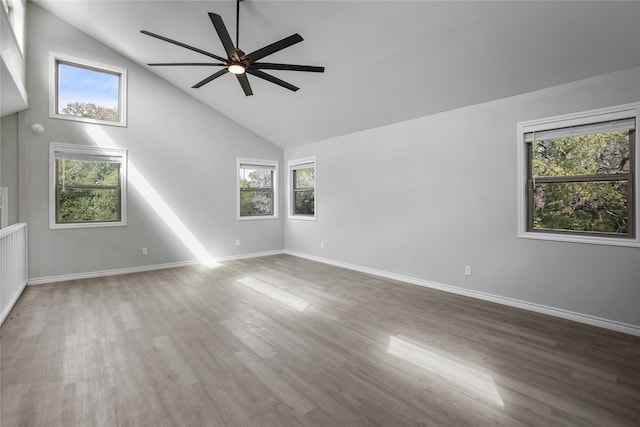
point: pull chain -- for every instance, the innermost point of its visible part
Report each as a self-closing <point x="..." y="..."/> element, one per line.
<point x="63" y="173"/>
<point x="533" y="145"/>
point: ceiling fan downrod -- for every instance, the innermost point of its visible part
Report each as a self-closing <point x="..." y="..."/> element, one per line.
<point x="238" y="24"/>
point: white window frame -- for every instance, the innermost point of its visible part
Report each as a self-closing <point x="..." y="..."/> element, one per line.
<point x="577" y="119"/>
<point x="57" y="58"/>
<point x="86" y="151"/>
<point x="302" y="163"/>
<point x="266" y="164"/>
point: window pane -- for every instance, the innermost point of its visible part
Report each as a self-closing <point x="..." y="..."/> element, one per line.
<point x="304" y="178"/>
<point x="256" y="178"/>
<point x="83" y="92"/>
<point x="304" y="202"/>
<point x="253" y="203"/>
<point x="88" y="173"/>
<point x="588" y="206"/>
<point x="89" y="205"/>
<point x="603" y="153"/>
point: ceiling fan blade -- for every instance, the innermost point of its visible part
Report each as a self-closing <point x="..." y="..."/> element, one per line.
<point x="207" y="64"/>
<point x="186" y="46"/>
<point x="211" y="77"/>
<point x="225" y="38"/>
<point x="244" y="82"/>
<point x="272" y="79"/>
<point x="273" y="48"/>
<point x="287" y="67"/>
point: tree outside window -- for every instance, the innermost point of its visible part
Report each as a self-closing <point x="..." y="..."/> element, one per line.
<point x="302" y="188"/>
<point x="257" y="181"/>
<point x="581" y="183"/>
<point x="578" y="176"/>
<point x="87" y="91"/>
<point x="87" y="191"/>
<point x="304" y="191"/>
<point x="88" y="186"/>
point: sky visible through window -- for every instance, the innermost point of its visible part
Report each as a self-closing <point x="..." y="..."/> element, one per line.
<point x="82" y="85"/>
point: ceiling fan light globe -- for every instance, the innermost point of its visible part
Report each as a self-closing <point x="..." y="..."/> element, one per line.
<point x="236" y="69"/>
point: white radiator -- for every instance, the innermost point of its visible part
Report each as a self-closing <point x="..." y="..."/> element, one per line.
<point x="13" y="266"/>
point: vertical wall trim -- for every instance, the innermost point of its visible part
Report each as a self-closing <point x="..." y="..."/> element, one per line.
<point x="23" y="175"/>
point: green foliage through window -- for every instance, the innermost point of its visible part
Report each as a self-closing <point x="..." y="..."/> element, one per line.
<point x="91" y="111"/>
<point x="256" y="190"/>
<point x="304" y="181"/>
<point x="586" y="206"/>
<point x="582" y="183"/>
<point x="87" y="191"/>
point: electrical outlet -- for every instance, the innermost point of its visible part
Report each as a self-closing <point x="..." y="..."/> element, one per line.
<point x="467" y="270"/>
<point x="237" y="242"/>
<point x="321" y="245"/>
<point x="144" y="251"/>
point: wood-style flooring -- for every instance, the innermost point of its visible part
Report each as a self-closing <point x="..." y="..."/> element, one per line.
<point x="283" y="341"/>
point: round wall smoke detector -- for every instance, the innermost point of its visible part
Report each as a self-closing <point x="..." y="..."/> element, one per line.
<point x="38" y="129"/>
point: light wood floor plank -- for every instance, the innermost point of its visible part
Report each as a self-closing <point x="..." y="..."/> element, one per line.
<point x="283" y="341"/>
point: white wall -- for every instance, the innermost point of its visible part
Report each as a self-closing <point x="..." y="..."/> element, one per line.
<point x="9" y="163"/>
<point x="425" y="197"/>
<point x="12" y="59"/>
<point x="186" y="151"/>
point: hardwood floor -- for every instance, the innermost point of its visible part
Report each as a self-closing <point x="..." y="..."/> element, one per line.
<point x="283" y="341"/>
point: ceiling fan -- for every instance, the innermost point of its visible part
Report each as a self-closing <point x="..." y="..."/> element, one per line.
<point x="238" y="62"/>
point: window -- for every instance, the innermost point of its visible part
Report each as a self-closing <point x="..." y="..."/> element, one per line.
<point x="578" y="177"/>
<point x="88" y="186"/>
<point x="302" y="188"/>
<point x="87" y="91"/>
<point x="257" y="183"/>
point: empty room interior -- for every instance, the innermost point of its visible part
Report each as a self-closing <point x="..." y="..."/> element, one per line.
<point x="319" y="213"/>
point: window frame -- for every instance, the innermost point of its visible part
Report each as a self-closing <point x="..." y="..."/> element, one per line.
<point x="265" y="164"/>
<point x="591" y="117"/>
<point x="56" y="58"/>
<point x="298" y="164"/>
<point x="85" y="151"/>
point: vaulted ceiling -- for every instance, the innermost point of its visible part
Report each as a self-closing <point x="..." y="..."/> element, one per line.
<point x="386" y="61"/>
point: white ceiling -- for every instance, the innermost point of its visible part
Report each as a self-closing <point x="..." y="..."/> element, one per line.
<point x="386" y="61"/>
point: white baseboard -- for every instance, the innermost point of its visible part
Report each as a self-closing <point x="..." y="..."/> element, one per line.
<point x="538" y="308"/>
<point x="117" y="271"/>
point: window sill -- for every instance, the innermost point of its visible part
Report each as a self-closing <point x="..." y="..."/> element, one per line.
<point x="302" y="218"/>
<point x="88" y="120"/>
<point x="254" y="218"/>
<point x="592" y="240"/>
<point x="87" y="225"/>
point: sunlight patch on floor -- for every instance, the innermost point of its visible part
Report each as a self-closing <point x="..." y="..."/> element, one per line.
<point x="157" y="203"/>
<point x="472" y="379"/>
<point x="275" y="293"/>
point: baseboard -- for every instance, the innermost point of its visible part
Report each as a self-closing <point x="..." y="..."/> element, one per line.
<point x="538" y="308"/>
<point x="140" y="269"/>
